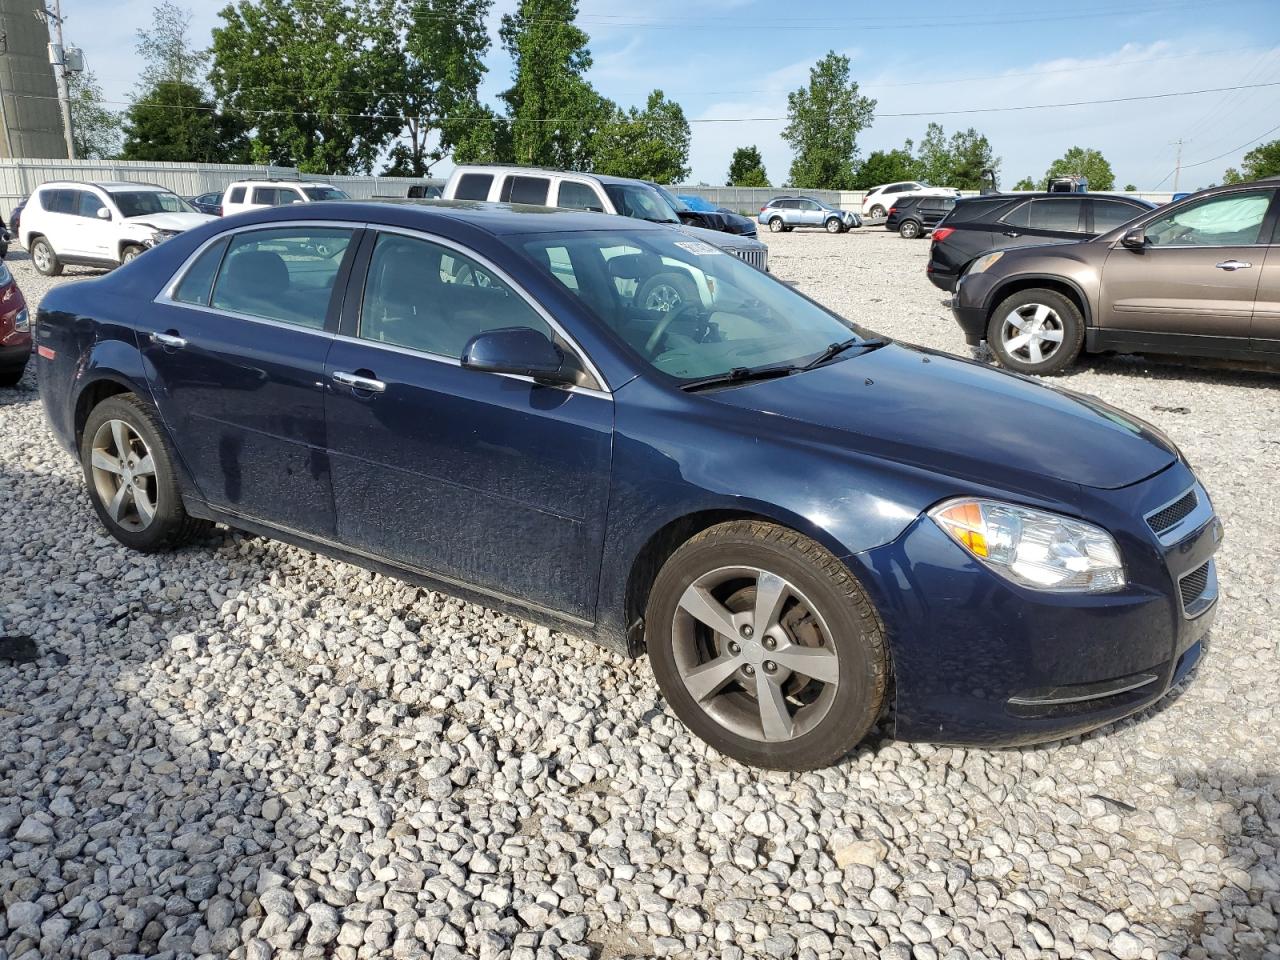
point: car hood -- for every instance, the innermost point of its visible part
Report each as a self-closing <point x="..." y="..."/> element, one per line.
<point x="963" y="419"/>
<point x="170" y="221"/>
<point x="726" y="241"/>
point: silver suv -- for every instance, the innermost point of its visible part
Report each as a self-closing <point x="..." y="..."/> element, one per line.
<point x="783" y="214"/>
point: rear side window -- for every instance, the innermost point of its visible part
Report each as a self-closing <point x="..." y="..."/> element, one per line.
<point x="525" y="190"/>
<point x="58" y="201"/>
<point x="1109" y="214"/>
<point x="237" y="195"/>
<point x="473" y="186"/>
<point x="285" y="274"/>
<point x="195" y="285"/>
<point x="267" y="195"/>
<point x="1060" y="215"/>
<point x="579" y="196"/>
<point x="1019" y="216"/>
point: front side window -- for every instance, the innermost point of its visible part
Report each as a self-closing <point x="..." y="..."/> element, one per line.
<point x="286" y="274"/>
<point x="1062" y="216"/>
<point x="1109" y="214"/>
<point x="473" y="186"/>
<point x="578" y="196"/>
<point x="324" y="193"/>
<point x="1229" y="221"/>
<point x="810" y="205"/>
<point x="141" y="203"/>
<point x="686" y="307"/>
<point x="89" y="204"/>
<point x="428" y="297"/>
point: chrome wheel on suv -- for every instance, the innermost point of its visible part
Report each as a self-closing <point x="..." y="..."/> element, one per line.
<point x="1036" y="331"/>
<point x="1032" y="332"/>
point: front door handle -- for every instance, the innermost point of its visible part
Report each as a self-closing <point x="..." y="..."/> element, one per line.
<point x="170" y="340"/>
<point x="1012" y="233"/>
<point x="357" y="382"/>
<point x="1233" y="265"/>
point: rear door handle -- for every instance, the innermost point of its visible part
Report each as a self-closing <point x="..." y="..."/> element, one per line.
<point x="1233" y="265"/>
<point x="357" y="382"/>
<point x="1012" y="233"/>
<point x="170" y="340"/>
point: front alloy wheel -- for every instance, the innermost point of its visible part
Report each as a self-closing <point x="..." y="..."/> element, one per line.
<point x="834" y="226"/>
<point x="1036" y="331"/>
<point x="766" y="647"/>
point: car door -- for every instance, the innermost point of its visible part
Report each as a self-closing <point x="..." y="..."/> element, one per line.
<point x="236" y="351"/>
<point x="480" y="478"/>
<point x="59" y="221"/>
<point x="96" y="236"/>
<point x="1041" y="220"/>
<point x="1265" y="328"/>
<point x="1198" y="272"/>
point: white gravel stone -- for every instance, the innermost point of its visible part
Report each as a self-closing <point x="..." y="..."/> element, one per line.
<point x="315" y="752"/>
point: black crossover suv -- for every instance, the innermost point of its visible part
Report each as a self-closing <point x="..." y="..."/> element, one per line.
<point x="997" y="221"/>
<point x="915" y="216"/>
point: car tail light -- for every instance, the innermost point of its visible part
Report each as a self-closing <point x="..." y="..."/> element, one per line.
<point x="892" y="211"/>
<point x="941" y="233"/>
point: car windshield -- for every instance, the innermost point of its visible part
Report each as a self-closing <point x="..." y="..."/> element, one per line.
<point x="686" y="307"/>
<point x="641" y="202"/>
<point x="324" y="193"/>
<point x="141" y="203"/>
<point x="674" y="202"/>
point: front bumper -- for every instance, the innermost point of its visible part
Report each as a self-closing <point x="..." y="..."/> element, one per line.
<point x="978" y="660"/>
<point x="969" y="306"/>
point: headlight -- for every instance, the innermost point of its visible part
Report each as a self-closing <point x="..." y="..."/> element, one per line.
<point x="1033" y="548"/>
<point x="22" y="321"/>
<point x="986" y="263"/>
<point x="160" y="236"/>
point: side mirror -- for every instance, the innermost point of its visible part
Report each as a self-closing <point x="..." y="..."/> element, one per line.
<point x="103" y="213"/>
<point x="517" y="350"/>
<point x="1134" y="239"/>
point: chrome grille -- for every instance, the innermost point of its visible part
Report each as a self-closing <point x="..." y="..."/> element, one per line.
<point x="757" y="258"/>
<point x="1166" y="517"/>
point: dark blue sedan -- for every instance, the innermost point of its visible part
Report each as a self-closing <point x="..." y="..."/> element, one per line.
<point x="806" y="527"/>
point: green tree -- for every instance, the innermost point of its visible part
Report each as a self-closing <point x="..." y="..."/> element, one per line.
<point x="154" y="131"/>
<point x="486" y="139"/>
<point x="960" y="161"/>
<point x="824" y="120"/>
<point x="97" y="129"/>
<point x="166" y="49"/>
<point x="1026" y="183"/>
<point x="1261" y="161"/>
<point x="554" y="112"/>
<point x="1087" y="162"/>
<point x="648" y="144"/>
<point x="746" y="169"/>
<point x="311" y="75"/>
<point x="933" y="158"/>
<point x="886" y="166"/>
<point x="1129" y="188"/>
<point x="434" y="80"/>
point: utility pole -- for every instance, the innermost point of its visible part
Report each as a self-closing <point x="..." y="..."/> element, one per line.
<point x="64" y="89"/>
<point x="1177" y="168"/>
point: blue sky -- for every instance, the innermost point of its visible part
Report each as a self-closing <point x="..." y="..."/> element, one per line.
<point x="730" y="59"/>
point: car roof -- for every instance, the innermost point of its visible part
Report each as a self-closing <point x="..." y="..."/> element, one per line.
<point x="518" y="169"/>
<point x="276" y="182"/>
<point x="110" y="186"/>
<point x="499" y="219"/>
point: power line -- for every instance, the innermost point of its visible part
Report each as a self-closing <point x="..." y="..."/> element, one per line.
<point x="1225" y="153"/>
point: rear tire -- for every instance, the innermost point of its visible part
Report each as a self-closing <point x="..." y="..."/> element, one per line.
<point x="1036" y="331"/>
<point x="878" y="211"/>
<point x="797" y="694"/>
<point x="776" y="225"/>
<point x="10" y="376"/>
<point x="123" y="446"/>
<point x="909" y="230"/>
<point x="44" y="259"/>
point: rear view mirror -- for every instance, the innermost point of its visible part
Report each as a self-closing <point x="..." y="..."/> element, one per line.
<point x="1134" y="239"/>
<point x="103" y="213"/>
<point x="517" y="350"/>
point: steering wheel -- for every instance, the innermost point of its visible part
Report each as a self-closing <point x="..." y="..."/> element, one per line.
<point x="666" y="321"/>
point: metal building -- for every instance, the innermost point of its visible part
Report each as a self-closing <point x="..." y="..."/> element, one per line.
<point x="30" y="115"/>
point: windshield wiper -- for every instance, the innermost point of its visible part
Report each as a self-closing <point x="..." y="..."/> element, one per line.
<point x="738" y="375"/>
<point x="835" y="349"/>
<point x="656" y="220"/>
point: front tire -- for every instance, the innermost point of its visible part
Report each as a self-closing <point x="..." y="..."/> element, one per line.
<point x="131" y="252"/>
<point x="834" y="226"/>
<point x="44" y="259"/>
<point x="132" y="483"/>
<point x="1036" y="331"/>
<point x="775" y="225"/>
<point x="766" y="646"/>
<point x="909" y="230"/>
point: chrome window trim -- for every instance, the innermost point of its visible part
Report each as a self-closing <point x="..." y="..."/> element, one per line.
<point x="502" y="275"/>
<point x="166" y="296"/>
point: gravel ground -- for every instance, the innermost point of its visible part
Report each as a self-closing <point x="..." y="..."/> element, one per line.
<point x="245" y="750"/>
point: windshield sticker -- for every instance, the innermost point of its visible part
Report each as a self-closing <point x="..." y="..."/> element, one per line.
<point x="698" y="248"/>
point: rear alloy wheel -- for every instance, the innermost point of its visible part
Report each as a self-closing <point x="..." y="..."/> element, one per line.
<point x="834" y="226"/>
<point x="131" y="478"/>
<point x="1036" y="332"/>
<point x="909" y="230"/>
<point x="766" y="647"/>
<point x="775" y="224"/>
<point x="877" y="211"/>
<point x="44" y="259"/>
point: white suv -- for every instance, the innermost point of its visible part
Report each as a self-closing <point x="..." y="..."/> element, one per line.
<point x="100" y="224"/>
<point x="880" y="200"/>
<point x="256" y="194"/>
